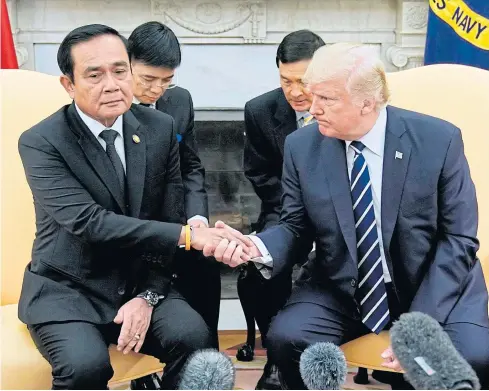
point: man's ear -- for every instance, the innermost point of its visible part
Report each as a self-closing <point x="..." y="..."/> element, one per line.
<point x="67" y="85"/>
<point x="368" y="106"/>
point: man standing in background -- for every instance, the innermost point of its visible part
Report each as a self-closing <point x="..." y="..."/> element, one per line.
<point x="155" y="54"/>
<point x="269" y="119"/>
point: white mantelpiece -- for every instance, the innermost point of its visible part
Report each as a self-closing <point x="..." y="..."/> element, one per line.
<point x="228" y="45"/>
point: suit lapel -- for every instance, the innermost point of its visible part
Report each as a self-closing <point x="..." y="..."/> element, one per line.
<point x="339" y="187"/>
<point x="135" y="148"/>
<point x="96" y="156"/>
<point x="396" y="160"/>
<point x="287" y="123"/>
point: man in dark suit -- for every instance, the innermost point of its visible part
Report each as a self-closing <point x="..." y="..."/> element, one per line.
<point x="269" y="119"/>
<point x="107" y="191"/>
<point x="155" y="54"/>
<point x="388" y="195"/>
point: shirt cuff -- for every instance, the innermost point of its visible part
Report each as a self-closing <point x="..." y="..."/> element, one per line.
<point x="199" y="217"/>
<point x="264" y="264"/>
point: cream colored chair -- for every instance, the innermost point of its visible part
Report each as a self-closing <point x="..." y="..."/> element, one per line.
<point x="27" y="98"/>
<point x="460" y="95"/>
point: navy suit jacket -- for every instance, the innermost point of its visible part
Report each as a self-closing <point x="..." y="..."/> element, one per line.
<point x="429" y="220"/>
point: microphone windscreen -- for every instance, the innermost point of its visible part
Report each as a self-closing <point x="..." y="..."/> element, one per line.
<point x="208" y="369"/>
<point x="323" y="367"/>
<point x="427" y="355"/>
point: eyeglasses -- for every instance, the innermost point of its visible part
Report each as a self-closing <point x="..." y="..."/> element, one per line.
<point x="165" y="86"/>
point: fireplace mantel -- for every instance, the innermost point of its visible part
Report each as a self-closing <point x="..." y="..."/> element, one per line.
<point x="228" y="45"/>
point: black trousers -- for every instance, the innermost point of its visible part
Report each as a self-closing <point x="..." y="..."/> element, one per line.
<point x="299" y="325"/>
<point x="78" y="351"/>
<point x="199" y="281"/>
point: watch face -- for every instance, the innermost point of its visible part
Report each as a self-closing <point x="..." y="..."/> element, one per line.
<point x="152" y="298"/>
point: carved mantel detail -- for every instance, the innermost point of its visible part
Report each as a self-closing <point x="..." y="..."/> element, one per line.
<point x="214" y="18"/>
<point x="405" y="57"/>
<point x="416" y="15"/>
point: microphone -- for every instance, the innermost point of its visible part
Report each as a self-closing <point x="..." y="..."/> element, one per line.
<point x="428" y="356"/>
<point x="208" y="369"/>
<point x="323" y="367"/>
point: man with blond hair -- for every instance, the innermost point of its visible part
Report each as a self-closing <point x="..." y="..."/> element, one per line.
<point x="388" y="196"/>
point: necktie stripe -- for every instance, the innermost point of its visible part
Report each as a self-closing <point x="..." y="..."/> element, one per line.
<point x="381" y="279"/>
<point x="369" y="273"/>
<point x="361" y="195"/>
<point x="375" y="307"/>
<point x="371" y="205"/>
<point x="381" y="321"/>
<point x="368" y="253"/>
<point x="371" y="293"/>
<point x="372" y="226"/>
<point x="358" y="176"/>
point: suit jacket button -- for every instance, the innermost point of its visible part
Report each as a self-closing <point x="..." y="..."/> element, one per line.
<point x="353" y="283"/>
<point x="121" y="291"/>
<point x="175" y="276"/>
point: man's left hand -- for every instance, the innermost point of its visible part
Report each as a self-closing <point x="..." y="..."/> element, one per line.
<point x="135" y="317"/>
<point x="390" y="360"/>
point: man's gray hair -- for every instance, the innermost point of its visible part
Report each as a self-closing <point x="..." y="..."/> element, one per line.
<point x="358" y="64"/>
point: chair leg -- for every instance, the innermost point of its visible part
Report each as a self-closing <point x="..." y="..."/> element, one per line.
<point x="361" y="377"/>
<point x="247" y="297"/>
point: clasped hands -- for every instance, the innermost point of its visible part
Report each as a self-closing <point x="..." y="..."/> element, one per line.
<point x="226" y="244"/>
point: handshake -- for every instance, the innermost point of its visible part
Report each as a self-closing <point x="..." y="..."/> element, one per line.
<point x="224" y="243"/>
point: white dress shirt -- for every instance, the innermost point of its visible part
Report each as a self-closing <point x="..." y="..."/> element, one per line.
<point x="96" y="128"/>
<point x="373" y="153"/>
<point x="196" y="217"/>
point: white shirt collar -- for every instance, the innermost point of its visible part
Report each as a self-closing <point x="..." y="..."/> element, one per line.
<point x="301" y="114"/>
<point x="374" y="140"/>
<point x="137" y="102"/>
<point x="96" y="127"/>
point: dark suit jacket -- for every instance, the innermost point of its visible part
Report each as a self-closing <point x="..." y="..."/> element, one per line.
<point x="429" y="220"/>
<point x="94" y="250"/>
<point x="177" y="102"/>
<point x="268" y="120"/>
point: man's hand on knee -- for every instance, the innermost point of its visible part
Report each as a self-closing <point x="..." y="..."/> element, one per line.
<point x="135" y="317"/>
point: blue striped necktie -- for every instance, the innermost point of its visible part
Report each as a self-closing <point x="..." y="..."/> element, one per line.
<point x="371" y="292"/>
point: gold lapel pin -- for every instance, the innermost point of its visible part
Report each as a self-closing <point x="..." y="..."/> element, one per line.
<point x="136" y="138"/>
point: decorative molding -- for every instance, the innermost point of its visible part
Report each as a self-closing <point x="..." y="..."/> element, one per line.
<point x="417" y="15"/>
<point x="210" y="17"/>
<point x="405" y="57"/>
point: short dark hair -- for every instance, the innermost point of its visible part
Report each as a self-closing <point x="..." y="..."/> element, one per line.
<point x="297" y="46"/>
<point x="156" y="45"/>
<point x="78" y="35"/>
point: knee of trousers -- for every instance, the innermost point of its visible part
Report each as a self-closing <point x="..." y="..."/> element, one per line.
<point x="85" y="371"/>
<point x="284" y="345"/>
<point x="195" y="336"/>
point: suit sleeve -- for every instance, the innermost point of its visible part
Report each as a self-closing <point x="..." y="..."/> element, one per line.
<point x="292" y="236"/>
<point x="258" y="168"/>
<point x="193" y="173"/>
<point x="455" y="253"/>
<point x="172" y="206"/>
<point x="63" y="197"/>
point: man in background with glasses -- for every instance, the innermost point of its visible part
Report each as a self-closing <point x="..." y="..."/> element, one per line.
<point x="155" y="54"/>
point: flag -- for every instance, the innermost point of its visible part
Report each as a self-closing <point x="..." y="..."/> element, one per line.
<point x="7" y="48"/>
<point x="458" y="33"/>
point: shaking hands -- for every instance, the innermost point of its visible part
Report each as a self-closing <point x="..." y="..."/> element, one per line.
<point x="226" y="244"/>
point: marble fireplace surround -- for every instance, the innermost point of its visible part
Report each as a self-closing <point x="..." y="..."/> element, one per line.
<point x="228" y="45"/>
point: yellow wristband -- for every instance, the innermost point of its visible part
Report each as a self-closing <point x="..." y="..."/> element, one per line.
<point x="187" y="237"/>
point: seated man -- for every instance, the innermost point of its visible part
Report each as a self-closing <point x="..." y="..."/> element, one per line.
<point x="107" y="192"/>
<point x="269" y="119"/>
<point x="389" y="197"/>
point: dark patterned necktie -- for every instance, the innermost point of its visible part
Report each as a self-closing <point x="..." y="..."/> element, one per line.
<point x="109" y="136"/>
<point x="371" y="292"/>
